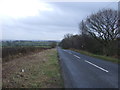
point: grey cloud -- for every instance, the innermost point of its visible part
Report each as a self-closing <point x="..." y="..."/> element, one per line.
<point x="51" y="25"/>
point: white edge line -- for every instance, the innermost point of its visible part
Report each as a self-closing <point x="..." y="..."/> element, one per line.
<point x="77" y="56"/>
<point x="96" y="66"/>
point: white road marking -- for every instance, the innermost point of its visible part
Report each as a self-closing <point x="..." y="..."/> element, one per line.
<point x="67" y="52"/>
<point x="77" y="56"/>
<point x="96" y="66"/>
<point x="64" y="50"/>
<point x="70" y="53"/>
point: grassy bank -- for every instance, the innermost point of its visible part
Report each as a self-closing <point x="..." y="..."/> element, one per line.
<point x="98" y="56"/>
<point x="41" y="70"/>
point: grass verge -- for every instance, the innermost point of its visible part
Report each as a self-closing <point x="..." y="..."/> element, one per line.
<point x="97" y="56"/>
<point x="52" y="70"/>
<point x="41" y="70"/>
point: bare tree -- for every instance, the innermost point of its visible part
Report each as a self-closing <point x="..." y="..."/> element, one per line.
<point x="102" y="26"/>
<point x="83" y="28"/>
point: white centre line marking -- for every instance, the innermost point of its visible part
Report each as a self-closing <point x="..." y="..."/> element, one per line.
<point x="96" y="66"/>
<point x="64" y="50"/>
<point x="77" y="56"/>
<point x="70" y="53"/>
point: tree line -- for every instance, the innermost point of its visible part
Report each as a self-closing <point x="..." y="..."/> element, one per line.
<point x="99" y="34"/>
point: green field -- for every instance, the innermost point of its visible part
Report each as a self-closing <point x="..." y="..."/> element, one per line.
<point x="26" y="43"/>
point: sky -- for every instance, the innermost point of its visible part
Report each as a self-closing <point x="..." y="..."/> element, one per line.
<point x="38" y="20"/>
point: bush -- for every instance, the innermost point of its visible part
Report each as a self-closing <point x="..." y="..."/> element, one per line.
<point x="8" y="52"/>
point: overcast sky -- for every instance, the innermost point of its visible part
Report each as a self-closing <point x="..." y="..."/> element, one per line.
<point x="35" y="20"/>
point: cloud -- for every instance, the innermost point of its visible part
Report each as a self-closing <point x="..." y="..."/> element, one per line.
<point x="63" y="18"/>
<point x="22" y="8"/>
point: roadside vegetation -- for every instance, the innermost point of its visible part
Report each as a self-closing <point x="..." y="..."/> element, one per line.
<point x="30" y="64"/>
<point x="9" y="53"/>
<point x="99" y="35"/>
<point x="38" y="70"/>
<point x="18" y="48"/>
<point x="115" y="60"/>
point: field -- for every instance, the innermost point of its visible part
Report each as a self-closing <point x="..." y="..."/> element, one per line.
<point x="13" y="49"/>
<point x="25" y="43"/>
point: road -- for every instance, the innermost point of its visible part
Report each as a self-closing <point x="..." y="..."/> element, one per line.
<point x="81" y="71"/>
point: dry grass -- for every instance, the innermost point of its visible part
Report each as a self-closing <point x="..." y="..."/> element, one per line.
<point x="40" y="70"/>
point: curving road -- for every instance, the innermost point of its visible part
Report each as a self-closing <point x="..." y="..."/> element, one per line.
<point x="81" y="71"/>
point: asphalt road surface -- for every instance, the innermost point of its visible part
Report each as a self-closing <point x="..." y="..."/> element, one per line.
<point x="82" y="71"/>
